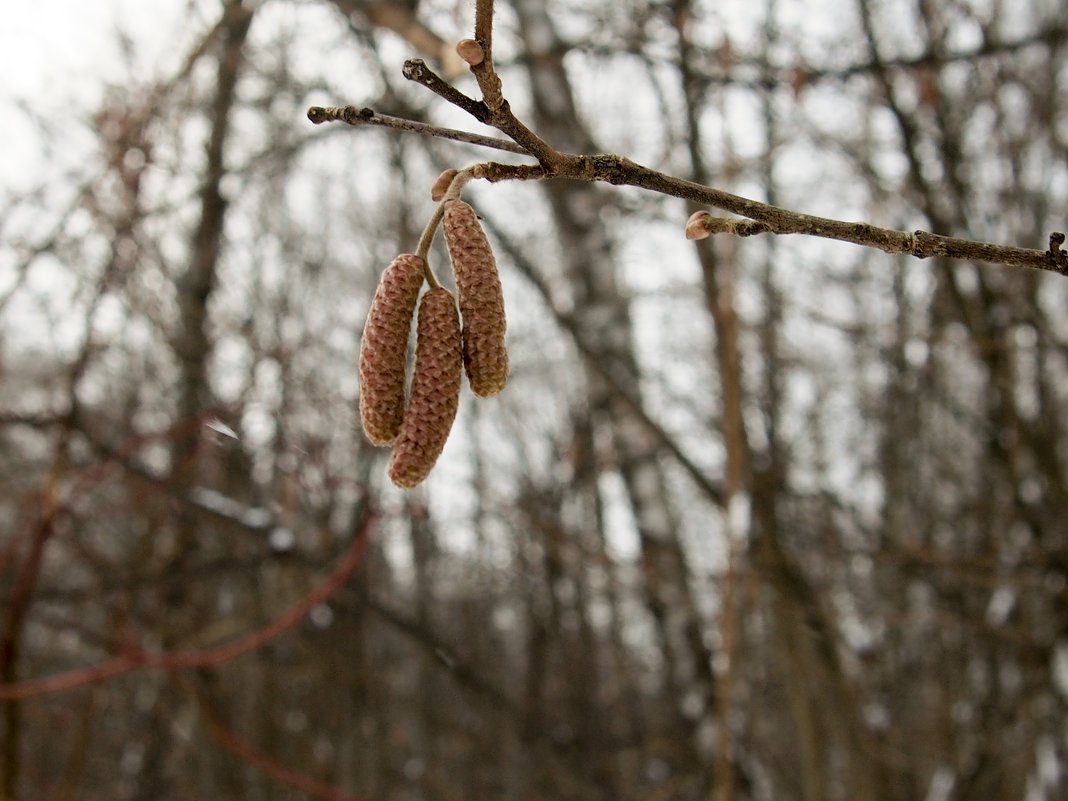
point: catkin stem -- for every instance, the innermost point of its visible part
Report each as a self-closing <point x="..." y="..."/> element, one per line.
<point x="427" y="237"/>
<point x="462" y="177"/>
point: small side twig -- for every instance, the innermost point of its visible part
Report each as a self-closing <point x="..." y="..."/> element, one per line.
<point x="501" y="118"/>
<point x="366" y="116"/>
<point x="417" y="71"/>
<point x="920" y="244"/>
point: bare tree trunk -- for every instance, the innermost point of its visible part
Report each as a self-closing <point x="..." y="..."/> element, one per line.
<point x="192" y="345"/>
<point x="192" y="342"/>
<point x="605" y="318"/>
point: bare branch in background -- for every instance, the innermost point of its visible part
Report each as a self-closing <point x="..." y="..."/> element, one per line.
<point x="136" y="658"/>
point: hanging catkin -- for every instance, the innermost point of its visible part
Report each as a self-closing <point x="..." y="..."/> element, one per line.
<point x="384" y="348"/>
<point x="481" y="299"/>
<point x="435" y="392"/>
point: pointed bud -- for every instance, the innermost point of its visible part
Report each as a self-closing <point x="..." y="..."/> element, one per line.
<point x="384" y="348"/>
<point x="442" y="184"/>
<point x="435" y="393"/>
<point x="695" y="226"/>
<point x="481" y="299"/>
<point x="470" y="51"/>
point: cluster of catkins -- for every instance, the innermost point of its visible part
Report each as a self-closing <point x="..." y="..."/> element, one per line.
<point x="417" y="430"/>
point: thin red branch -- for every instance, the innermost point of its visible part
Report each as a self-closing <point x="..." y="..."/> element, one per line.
<point x="257" y="639"/>
<point x="135" y="658"/>
<point x="249" y="753"/>
<point x="18" y="608"/>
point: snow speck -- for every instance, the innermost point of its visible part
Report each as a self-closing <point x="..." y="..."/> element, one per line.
<point x="281" y="539"/>
<point x="1000" y="607"/>
<point x="941" y="785"/>
<point x="221" y="427"/>
<point x="1060" y="667"/>
<point x="321" y="616"/>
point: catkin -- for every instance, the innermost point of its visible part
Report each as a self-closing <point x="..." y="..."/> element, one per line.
<point x="481" y="299"/>
<point x="435" y="392"/>
<point x="384" y="348"/>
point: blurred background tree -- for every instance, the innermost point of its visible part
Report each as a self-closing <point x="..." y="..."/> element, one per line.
<point x="754" y="519"/>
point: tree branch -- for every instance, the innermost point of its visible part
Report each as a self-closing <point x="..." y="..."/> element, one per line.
<point x="368" y="116"/>
<point x="618" y="170"/>
<point x="921" y="244"/>
<point x="500" y="118"/>
<point x="484" y="26"/>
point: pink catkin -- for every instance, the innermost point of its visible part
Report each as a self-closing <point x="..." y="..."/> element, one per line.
<point x="384" y="349"/>
<point x="435" y="393"/>
<point x="481" y="299"/>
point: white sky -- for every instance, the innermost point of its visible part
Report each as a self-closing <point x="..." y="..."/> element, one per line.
<point x="53" y="51"/>
<point x="72" y="42"/>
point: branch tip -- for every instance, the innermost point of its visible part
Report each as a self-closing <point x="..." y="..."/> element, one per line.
<point x="1060" y="257"/>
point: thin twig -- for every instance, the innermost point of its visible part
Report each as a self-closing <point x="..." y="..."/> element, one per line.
<point x="367" y="116"/>
<point x="417" y="71"/>
<point x="501" y="118"/>
<point x="484" y="25"/>
<point x="618" y="171"/>
<point x="764" y="218"/>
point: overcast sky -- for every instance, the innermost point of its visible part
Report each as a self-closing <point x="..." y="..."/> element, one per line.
<point x="56" y="51"/>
